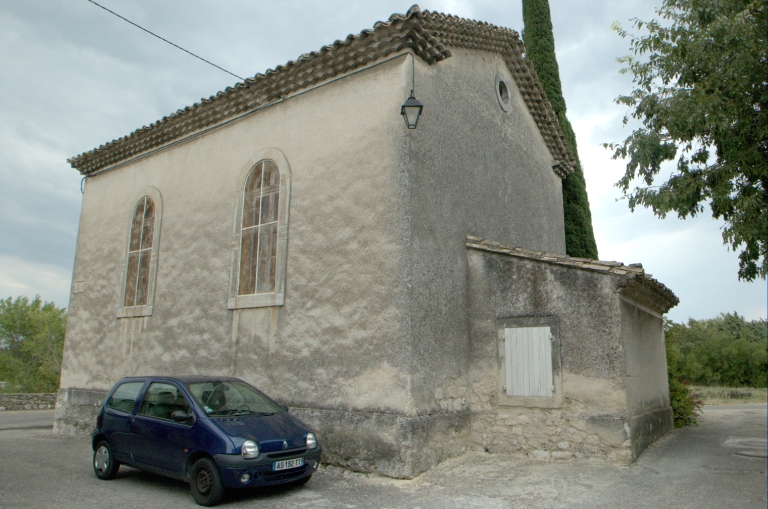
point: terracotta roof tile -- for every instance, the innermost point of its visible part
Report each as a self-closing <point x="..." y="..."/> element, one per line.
<point x="634" y="283"/>
<point x="427" y="34"/>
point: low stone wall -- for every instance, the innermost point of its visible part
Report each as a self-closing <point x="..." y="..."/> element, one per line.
<point x="27" y="401"/>
<point x="76" y="411"/>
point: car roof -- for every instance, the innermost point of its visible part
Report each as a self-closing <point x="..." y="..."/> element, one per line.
<point x="182" y="378"/>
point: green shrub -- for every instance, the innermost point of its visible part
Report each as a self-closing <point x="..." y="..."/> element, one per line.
<point x="685" y="406"/>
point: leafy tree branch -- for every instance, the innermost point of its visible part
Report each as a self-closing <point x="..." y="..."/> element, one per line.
<point x="701" y="93"/>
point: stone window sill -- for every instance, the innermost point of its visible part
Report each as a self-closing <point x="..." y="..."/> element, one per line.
<point x="135" y="311"/>
<point x="256" y="301"/>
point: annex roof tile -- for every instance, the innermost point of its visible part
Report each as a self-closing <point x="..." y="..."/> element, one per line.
<point x="634" y="282"/>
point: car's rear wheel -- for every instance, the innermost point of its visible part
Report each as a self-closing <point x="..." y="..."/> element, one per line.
<point x="104" y="464"/>
<point x="205" y="482"/>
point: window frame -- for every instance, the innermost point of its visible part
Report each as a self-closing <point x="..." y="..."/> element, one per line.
<point x="145" y="309"/>
<point x="190" y="407"/>
<point x="554" y="401"/>
<point x="277" y="297"/>
<point x="505" y="104"/>
<point x="140" y="383"/>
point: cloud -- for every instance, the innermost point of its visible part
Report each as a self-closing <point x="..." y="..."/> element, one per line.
<point x="22" y="277"/>
<point x="75" y="77"/>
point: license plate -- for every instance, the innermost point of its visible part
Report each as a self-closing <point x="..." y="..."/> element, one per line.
<point x="286" y="464"/>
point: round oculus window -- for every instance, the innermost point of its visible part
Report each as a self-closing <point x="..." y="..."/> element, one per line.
<point x="503" y="92"/>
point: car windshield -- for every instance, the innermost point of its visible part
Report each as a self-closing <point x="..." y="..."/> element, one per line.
<point x="222" y="397"/>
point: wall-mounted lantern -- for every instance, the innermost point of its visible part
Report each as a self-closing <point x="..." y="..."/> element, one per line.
<point x="411" y="110"/>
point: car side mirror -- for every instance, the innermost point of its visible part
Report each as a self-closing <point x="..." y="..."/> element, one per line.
<point x="179" y="416"/>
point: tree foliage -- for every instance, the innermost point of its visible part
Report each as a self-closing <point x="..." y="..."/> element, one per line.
<point x="31" y="344"/>
<point x="700" y="77"/>
<point x="726" y="351"/>
<point x="540" y="49"/>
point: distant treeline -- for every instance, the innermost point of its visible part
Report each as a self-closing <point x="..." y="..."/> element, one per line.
<point x="31" y="344"/>
<point x="727" y="350"/>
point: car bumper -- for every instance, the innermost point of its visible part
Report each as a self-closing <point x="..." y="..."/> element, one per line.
<point x="233" y="467"/>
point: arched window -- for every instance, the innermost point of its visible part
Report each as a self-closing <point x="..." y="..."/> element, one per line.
<point x="258" y="249"/>
<point x="260" y="231"/>
<point x="140" y="254"/>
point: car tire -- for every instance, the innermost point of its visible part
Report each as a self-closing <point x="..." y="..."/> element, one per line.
<point x="205" y="482"/>
<point x="105" y="466"/>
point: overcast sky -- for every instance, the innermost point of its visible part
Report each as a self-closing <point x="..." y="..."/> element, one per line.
<point x="73" y="77"/>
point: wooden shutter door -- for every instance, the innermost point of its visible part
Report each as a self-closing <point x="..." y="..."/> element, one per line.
<point x="528" y="361"/>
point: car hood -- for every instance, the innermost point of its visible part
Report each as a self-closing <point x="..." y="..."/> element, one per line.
<point x="268" y="431"/>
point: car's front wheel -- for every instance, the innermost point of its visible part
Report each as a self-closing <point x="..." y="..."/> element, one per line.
<point x="205" y="482"/>
<point x="104" y="464"/>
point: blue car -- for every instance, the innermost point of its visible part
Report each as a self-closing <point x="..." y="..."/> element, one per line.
<point x="213" y="432"/>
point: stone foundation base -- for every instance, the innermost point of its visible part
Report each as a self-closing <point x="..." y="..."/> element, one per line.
<point x="552" y="434"/>
<point x="394" y="445"/>
<point x="76" y="411"/>
<point x="558" y="434"/>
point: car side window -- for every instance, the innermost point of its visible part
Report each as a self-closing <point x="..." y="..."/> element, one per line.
<point x="124" y="396"/>
<point x="162" y="399"/>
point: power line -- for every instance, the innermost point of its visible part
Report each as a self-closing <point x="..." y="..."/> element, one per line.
<point x="166" y="40"/>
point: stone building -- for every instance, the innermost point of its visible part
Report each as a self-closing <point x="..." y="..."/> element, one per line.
<point x="291" y="231"/>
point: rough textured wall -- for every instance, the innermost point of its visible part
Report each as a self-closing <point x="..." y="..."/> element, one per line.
<point x="340" y="350"/>
<point x="646" y="380"/>
<point x="375" y="325"/>
<point x="591" y="423"/>
<point x="473" y="168"/>
<point x="339" y="340"/>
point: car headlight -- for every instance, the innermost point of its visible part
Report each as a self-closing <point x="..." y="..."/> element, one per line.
<point x="249" y="449"/>
<point x="311" y="441"/>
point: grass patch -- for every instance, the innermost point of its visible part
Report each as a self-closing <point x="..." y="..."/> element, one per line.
<point x="729" y="395"/>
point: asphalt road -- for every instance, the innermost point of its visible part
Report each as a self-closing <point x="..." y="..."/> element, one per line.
<point x="719" y="464"/>
<point x="26" y="419"/>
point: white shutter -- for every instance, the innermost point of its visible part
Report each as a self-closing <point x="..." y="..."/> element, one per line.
<point x="528" y="361"/>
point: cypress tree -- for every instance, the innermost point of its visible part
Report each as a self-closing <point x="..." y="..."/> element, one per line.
<point x="540" y="49"/>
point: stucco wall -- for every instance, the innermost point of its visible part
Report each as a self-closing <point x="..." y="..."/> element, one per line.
<point x="340" y="349"/>
<point x="344" y="256"/>
<point x="591" y="422"/>
<point x="650" y="415"/>
<point x="473" y="168"/>
<point x="340" y="340"/>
